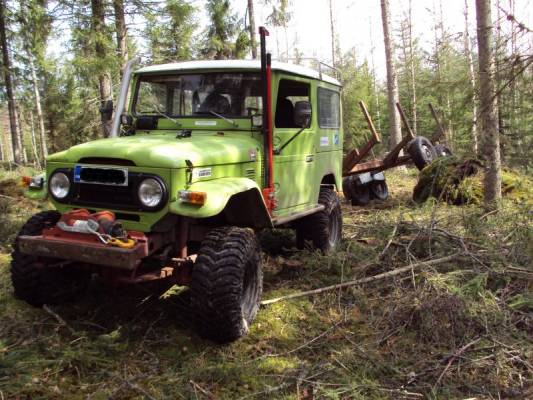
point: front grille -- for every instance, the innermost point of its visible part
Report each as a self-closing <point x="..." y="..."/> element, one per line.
<point x="110" y="196"/>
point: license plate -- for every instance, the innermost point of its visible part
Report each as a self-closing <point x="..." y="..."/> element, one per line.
<point x="101" y="175"/>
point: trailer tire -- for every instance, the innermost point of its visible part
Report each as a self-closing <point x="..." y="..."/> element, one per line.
<point x="442" y="151"/>
<point x="324" y="228"/>
<point x="379" y="190"/>
<point x="227" y="282"/>
<point x="360" y="195"/>
<point x="422" y="152"/>
<point x="36" y="283"/>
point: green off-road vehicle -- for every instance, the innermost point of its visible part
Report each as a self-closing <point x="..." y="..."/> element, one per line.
<point x="202" y="156"/>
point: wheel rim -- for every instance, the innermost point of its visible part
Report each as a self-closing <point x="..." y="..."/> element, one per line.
<point x="333" y="229"/>
<point x="379" y="189"/>
<point x="427" y="152"/>
<point x="248" y="289"/>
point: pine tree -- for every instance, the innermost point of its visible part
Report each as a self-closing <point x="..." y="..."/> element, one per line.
<point x="224" y="38"/>
<point x="487" y="96"/>
<point x="16" y="139"/>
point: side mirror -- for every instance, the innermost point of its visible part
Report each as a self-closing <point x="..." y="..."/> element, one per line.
<point x="302" y="114"/>
<point x="106" y="110"/>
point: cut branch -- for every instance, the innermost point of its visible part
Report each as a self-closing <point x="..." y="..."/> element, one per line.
<point x="384" y="275"/>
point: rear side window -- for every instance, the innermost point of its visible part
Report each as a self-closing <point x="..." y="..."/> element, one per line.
<point x="328" y="108"/>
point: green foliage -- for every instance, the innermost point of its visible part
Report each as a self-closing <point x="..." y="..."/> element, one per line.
<point x="224" y="37"/>
<point x="169" y="32"/>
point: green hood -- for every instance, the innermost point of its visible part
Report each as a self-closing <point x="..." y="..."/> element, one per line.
<point x="164" y="150"/>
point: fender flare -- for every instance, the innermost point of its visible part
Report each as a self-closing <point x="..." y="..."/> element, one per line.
<point x="239" y="200"/>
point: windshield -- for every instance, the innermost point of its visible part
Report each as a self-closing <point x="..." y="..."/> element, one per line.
<point x="189" y="95"/>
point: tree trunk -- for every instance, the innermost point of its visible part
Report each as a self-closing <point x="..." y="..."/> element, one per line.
<point x="489" y="118"/>
<point x="472" y="77"/>
<point x="251" y="18"/>
<point x="104" y="80"/>
<point x="8" y="78"/>
<point x="392" y="82"/>
<point x="374" y="83"/>
<point x="412" y="71"/>
<point x="21" y="136"/>
<point x="332" y="32"/>
<point x="122" y="33"/>
<point x="40" y="118"/>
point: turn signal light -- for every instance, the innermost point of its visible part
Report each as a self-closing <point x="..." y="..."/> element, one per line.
<point x="188" y="196"/>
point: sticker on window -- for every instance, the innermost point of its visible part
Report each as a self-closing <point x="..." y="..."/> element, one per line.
<point x="199" y="173"/>
<point x="336" y="139"/>
<point x="324" y="141"/>
<point x="205" y="123"/>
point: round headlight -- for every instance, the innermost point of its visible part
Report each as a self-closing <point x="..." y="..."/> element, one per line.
<point x="59" y="185"/>
<point x="151" y="192"/>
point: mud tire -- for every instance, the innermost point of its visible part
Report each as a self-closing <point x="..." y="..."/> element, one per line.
<point x="227" y="282"/>
<point x="32" y="278"/>
<point x="324" y="228"/>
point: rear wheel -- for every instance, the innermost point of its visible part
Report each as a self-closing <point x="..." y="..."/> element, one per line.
<point x="324" y="228"/>
<point x="379" y="190"/>
<point x="422" y="152"/>
<point x="35" y="279"/>
<point x="227" y="282"/>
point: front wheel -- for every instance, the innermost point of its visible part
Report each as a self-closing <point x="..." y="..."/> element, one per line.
<point x="227" y="282"/>
<point x="323" y="228"/>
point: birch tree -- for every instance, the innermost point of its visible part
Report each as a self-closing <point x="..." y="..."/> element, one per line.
<point x="472" y="79"/>
<point x="392" y="81"/>
<point x="251" y="27"/>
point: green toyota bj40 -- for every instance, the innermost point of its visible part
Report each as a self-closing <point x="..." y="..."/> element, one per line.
<point x="202" y="155"/>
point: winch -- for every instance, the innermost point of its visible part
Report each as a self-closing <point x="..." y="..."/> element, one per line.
<point x="102" y="225"/>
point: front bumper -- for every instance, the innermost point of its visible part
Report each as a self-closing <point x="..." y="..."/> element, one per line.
<point x="85" y="252"/>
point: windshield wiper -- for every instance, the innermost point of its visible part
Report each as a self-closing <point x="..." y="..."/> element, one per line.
<point x="167" y="117"/>
<point x="224" y="118"/>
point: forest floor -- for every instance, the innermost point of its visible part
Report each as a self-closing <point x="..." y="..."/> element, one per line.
<point x="461" y="328"/>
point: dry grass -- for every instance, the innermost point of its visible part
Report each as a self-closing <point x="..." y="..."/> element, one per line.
<point x="459" y="330"/>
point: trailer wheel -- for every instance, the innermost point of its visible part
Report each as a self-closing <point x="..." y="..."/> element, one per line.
<point x="227" y="282"/>
<point x="379" y="190"/>
<point x="360" y="195"/>
<point x="33" y="279"/>
<point x="422" y="152"/>
<point x="324" y="228"/>
<point x="442" y="151"/>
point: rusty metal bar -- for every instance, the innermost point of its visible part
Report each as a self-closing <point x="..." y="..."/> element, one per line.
<point x="441" y="131"/>
<point x="371" y="126"/>
<point x="90" y="253"/>
<point x="356" y="155"/>
<point x="391" y="158"/>
<point x="410" y="132"/>
<point x="376" y="166"/>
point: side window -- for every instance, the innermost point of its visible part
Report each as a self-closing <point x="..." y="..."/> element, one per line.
<point x="289" y="93"/>
<point x="328" y="108"/>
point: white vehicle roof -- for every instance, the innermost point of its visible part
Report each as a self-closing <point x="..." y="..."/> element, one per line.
<point x="251" y="65"/>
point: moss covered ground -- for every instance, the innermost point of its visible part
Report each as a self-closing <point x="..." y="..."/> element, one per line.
<point x="462" y="329"/>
